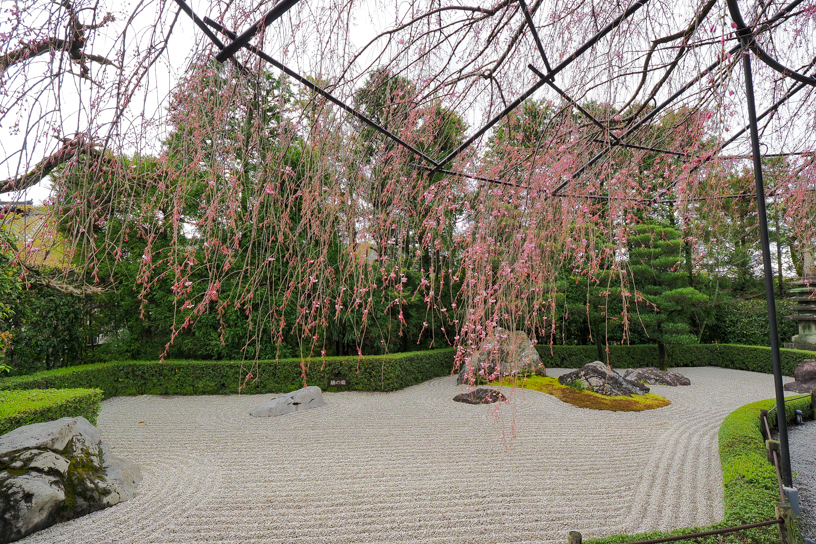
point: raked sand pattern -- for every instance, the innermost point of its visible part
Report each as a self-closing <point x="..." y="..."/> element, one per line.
<point x="414" y="466"/>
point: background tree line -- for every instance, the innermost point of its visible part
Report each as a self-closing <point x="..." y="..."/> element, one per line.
<point x="654" y="288"/>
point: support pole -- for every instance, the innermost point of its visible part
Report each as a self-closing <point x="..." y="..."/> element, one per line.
<point x="766" y="263"/>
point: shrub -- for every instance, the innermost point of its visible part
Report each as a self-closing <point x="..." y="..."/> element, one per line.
<point x="371" y="373"/>
<point x="746" y="322"/>
<point x="749" y="479"/>
<point x="753" y="358"/>
<point x="48" y="330"/>
<point x="24" y="407"/>
<point x="578" y="385"/>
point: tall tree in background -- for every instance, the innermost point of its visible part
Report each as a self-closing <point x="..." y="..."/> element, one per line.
<point x="662" y="286"/>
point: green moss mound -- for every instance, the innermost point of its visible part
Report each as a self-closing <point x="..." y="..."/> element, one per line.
<point x="24" y="407"/>
<point x="588" y="399"/>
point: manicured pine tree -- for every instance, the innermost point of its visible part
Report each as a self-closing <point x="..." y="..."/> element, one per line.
<point x="660" y="281"/>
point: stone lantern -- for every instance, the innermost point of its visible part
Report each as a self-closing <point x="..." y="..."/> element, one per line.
<point x="804" y="294"/>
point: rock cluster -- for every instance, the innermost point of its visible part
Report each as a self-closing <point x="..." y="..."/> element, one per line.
<point x="503" y="354"/>
<point x="598" y="377"/>
<point x="56" y="471"/>
<point x="296" y="401"/>
<point x="805" y="375"/>
<point x="654" y="376"/>
<point x="481" y="396"/>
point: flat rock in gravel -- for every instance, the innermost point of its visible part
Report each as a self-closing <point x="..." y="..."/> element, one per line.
<point x="296" y="401"/>
<point x="57" y="471"/>
<point x="481" y="396"/>
<point x="654" y="376"/>
<point x="801" y="387"/>
<point x="600" y="378"/>
<point x="805" y="376"/>
<point x="503" y="353"/>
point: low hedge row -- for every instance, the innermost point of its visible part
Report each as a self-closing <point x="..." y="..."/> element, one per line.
<point x="24" y="407"/>
<point x="753" y="358"/>
<point x="372" y="373"/>
<point x="749" y="480"/>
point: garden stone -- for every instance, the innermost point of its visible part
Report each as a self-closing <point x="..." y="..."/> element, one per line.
<point x="503" y="354"/>
<point x="655" y="376"/>
<point x="480" y="396"/>
<point x="28" y="504"/>
<point x="598" y="377"/>
<point x="56" y="471"/>
<point x="805" y="375"/>
<point x="49" y="462"/>
<point x="805" y="371"/>
<point x="296" y="401"/>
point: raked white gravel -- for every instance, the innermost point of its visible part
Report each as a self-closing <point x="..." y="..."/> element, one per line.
<point x="414" y="466"/>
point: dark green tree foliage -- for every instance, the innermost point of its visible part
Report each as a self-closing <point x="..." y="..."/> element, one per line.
<point x="667" y="303"/>
<point x="49" y="329"/>
<point x="746" y="322"/>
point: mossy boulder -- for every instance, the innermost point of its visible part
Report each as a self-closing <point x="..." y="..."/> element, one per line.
<point x="602" y="379"/>
<point x="56" y="471"/>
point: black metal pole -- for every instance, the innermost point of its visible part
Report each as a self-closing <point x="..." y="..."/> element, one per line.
<point x="575" y="104"/>
<point x="550" y="75"/>
<point x="642" y="147"/>
<point x="660" y="107"/>
<point x="536" y="37"/>
<point x="742" y="29"/>
<point x="766" y="264"/>
<point x="207" y="32"/>
<point x="328" y="96"/>
<point x="271" y="16"/>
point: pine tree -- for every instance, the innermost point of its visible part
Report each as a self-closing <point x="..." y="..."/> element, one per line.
<point x="655" y="263"/>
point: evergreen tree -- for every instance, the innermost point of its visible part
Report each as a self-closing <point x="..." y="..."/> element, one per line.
<point x="655" y="264"/>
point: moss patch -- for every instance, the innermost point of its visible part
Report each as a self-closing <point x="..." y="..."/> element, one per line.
<point x="588" y="399"/>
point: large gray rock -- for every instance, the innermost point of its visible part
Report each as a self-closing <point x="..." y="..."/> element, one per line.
<point x="56" y="471"/>
<point x="654" y="376"/>
<point x="28" y="504"/>
<point x="598" y="377"/>
<point x="296" y="401"/>
<point x="805" y="371"/>
<point x="503" y="354"/>
<point x="805" y="376"/>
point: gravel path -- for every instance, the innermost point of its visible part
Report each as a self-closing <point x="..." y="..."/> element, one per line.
<point x="413" y="466"/>
<point x="802" y="440"/>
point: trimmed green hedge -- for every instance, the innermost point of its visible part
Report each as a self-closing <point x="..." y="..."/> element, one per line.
<point x="753" y="358"/>
<point x="371" y="373"/>
<point x="24" y="407"/>
<point x="749" y="480"/>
